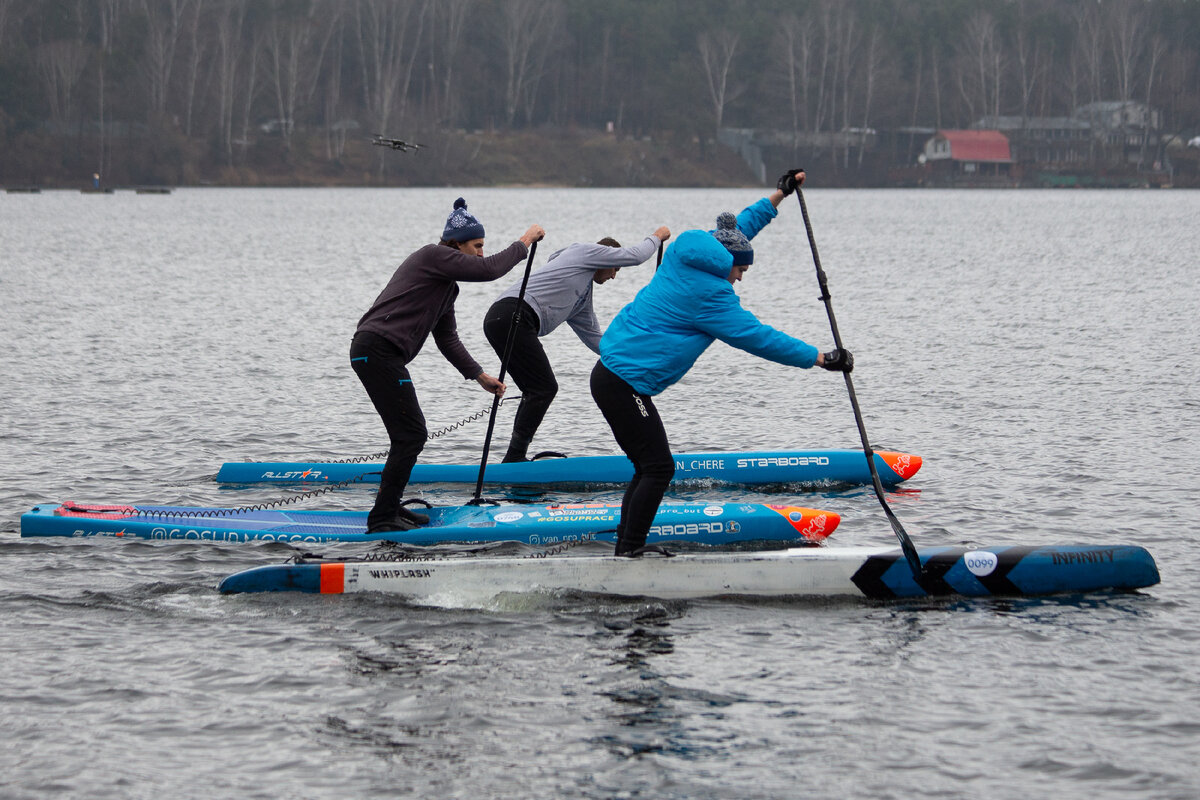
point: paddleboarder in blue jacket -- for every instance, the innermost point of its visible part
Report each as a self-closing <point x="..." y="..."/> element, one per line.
<point x="559" y="292"/>
<point x="418" y="301"/>
<point x="655" y="339"/>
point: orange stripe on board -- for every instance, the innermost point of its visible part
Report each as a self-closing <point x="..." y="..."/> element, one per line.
<point x="903" y="464"/>
<point x="333" y="578"/>
<point x="810" y="523"/>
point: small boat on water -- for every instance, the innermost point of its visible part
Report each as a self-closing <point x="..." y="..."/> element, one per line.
<point x="698" y="523"/>
<point x="805" y="468"/>
<point x="872" y="572"/>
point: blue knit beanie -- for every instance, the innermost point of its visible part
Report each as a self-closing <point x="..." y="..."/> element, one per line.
<point x="728" y="234"/>
<point x="461" y="226"/>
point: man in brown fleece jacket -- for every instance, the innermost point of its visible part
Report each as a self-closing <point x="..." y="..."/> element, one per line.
<point x="418" y="301"/>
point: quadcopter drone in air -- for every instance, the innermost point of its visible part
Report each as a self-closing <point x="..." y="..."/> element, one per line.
<point x="395" y="144"/>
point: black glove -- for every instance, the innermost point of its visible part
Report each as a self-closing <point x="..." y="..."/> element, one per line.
<point x="787" y="181"/>
<point x="839" y="360"/>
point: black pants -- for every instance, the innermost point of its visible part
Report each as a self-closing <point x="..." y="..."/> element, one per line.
<point x="527" y="363"/>
<point x="639" y="432"/>
<point x="384" y="374"/>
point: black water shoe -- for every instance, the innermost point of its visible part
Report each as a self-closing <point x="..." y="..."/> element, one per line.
<point x="517" y="447"/>
<point x="627" y="547"/>
<point x="646" y="550"/>
<point x="412" y="516"/>
<point x="397" y="524"/>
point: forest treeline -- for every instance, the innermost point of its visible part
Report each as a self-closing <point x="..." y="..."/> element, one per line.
<point x="186" y="91"/>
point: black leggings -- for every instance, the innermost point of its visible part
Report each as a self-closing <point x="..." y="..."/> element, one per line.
<point x="639" y="431"/>
<point x="384" y="374"/>
<point x="527" y="362"/>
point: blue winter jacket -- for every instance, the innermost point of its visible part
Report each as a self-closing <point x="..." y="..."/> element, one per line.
<point x="654" y="340"/>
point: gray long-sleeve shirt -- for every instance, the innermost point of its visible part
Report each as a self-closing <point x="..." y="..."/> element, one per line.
<point x="419" y="300"/>
<point x="561" y="291"/>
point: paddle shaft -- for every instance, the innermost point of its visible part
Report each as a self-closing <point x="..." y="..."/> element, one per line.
<point x="508" y="343"/>
<point x="910" y="551"/>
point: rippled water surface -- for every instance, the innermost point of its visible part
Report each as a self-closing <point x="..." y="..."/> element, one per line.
<point x="1038" y="349"/>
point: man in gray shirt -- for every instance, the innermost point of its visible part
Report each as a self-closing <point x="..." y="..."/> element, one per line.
<point x="559" y="292"/>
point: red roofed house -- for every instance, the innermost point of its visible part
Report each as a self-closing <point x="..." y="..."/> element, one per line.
<point x="964" y="156"/>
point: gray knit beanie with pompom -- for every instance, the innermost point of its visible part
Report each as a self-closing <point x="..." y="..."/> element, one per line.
<point x="728" y="234"/>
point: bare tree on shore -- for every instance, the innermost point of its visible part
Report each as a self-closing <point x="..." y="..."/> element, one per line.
<point x="980" y="63"/>
<point x="164" y="19"/>
<point x="230" y="54"/>
<point x="448" y="21"/>
<point x="793" y="52"/>
<point x="716" y="50"/>
<point x="296" y="40"/>
<point x="527" y="35"/>
<point x="60" y="64"/>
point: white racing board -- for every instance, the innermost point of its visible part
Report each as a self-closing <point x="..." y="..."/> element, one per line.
<point x="874" y="572"/>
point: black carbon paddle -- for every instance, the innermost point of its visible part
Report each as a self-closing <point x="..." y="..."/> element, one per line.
<point x="910" y="551"/>
<point x="508" y="343"/>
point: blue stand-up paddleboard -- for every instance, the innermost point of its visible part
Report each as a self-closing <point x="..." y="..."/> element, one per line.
<point x="700" y="523"/>
<point x="811" y="467"/>
<point x="873" y="572"/>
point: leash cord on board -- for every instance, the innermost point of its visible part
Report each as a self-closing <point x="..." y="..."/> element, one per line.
<point x="308" y="495"/>
<point x="478" y="415"/>
<point x="210" y="513"/>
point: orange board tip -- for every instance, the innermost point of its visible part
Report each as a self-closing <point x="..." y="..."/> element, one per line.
<point x="903" y="464"/>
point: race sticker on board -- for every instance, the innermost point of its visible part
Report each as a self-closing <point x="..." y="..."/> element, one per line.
<point x="981" y="563"/>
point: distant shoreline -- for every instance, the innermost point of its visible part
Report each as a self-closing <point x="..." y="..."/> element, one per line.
<point x="536" y="160"/>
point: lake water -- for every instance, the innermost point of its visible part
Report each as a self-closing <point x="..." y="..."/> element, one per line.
<point x="1038" y="349"/>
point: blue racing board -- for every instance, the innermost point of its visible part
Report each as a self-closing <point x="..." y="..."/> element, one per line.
<point x="812" y="467"/>
<point x="701" y="523"/>
<point x="875" y="572"/>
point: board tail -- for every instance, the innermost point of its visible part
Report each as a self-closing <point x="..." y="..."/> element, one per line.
<point x="905" y="465"/>
<point x="813" y="524"/>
